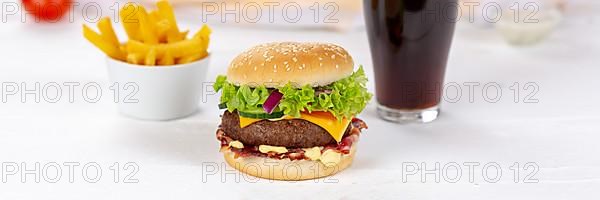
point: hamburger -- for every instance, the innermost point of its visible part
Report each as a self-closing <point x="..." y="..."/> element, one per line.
<point x="290" y="110"/>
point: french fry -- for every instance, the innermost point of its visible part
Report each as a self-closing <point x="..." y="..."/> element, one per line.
<point x="123" y="49"/>
<point x="130" y="21"/>
<point x="204" y="43"/>
<point x="173" y="36"/>
<point x="137" y="47"/>
<point x="162" y="27"/>
<point x="154" y="16"/>
<point x="177" y="49"/>
<point x="150" y="59"/>
<point x="167" y="60"/>
<point x="146" y="27"/>
<point x="185" y="48"/>
<point x="204" y="34"/>
<point x="166" y="11"/>
<point x="98" y="41"/>
<point x="184" y="34"/>
<point x="205" y="31"/>
<point x="135" y="59"/>
<point x="107" y="31"/>
<point x="192" y="58"/>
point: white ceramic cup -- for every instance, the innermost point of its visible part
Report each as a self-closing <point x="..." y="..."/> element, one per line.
<point x="163" y="92"/>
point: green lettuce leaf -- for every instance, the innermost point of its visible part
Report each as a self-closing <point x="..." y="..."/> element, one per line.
<point x="241" y="98"/>
<point x="348" y="97"/>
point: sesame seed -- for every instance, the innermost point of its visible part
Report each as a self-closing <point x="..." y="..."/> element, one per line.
<point x="333" y="56"/>
<point x="337" y="66"/>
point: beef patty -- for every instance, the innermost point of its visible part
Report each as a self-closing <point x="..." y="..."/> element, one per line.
<point x="297" y="133"/>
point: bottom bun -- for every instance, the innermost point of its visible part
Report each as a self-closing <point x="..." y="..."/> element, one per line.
<point x="286" y="169"/>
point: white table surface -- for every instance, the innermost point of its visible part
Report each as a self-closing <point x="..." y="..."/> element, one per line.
<point x="560" y="133"/>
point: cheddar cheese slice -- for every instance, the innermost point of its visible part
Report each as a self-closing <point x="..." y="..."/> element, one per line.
<point x="323" y="119"/>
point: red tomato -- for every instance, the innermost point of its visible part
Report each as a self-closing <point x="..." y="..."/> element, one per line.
<point x="47" y="10"/>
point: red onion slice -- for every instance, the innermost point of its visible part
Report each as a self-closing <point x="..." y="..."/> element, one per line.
<point x="272" y="101"/>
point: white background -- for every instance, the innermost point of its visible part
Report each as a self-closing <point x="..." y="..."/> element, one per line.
<point x="559" y="134"/>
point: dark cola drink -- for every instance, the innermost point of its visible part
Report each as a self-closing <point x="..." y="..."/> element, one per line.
<point x="410" y="41"/>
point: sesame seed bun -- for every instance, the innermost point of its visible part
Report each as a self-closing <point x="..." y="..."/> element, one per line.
<point x="276" y="64"/>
